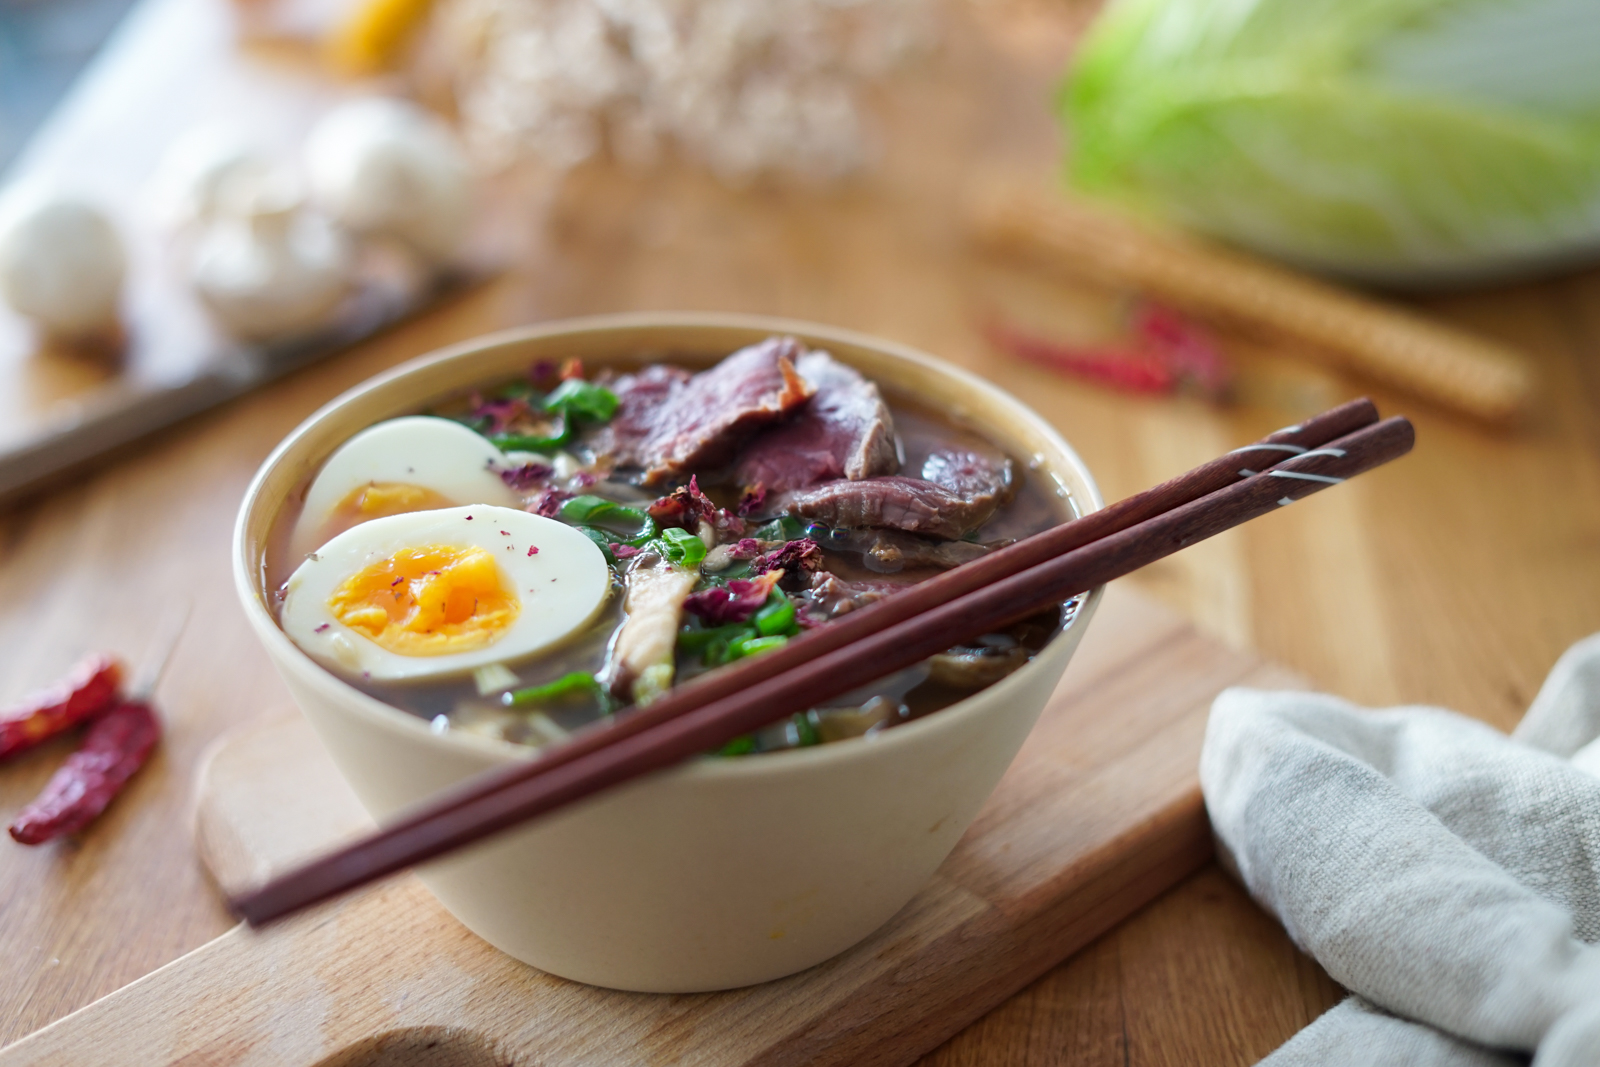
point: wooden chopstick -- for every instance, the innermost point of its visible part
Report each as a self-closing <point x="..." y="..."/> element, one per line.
<point x="499" y="800"/>
<point x="1447" y="366"/>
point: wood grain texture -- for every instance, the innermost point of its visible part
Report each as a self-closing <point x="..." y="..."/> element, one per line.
<point x="1099" y="813"/>
<point x="1455" y="577"/>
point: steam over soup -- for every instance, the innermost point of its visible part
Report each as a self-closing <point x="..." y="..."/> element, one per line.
<point x="521" y="562"/>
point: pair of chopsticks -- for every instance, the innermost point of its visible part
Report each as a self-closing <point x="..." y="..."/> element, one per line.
<point x="959" y="605"/>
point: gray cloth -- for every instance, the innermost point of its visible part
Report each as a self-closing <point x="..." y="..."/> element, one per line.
<point x="1444" y="873"/>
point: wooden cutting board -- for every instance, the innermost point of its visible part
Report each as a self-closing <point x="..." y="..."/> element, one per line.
<point x="1100" y="813"/>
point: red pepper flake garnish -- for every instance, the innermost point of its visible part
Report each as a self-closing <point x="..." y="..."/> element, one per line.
<point x="753" y="498"/>
<point x="543" y="374"/>
<point x="735" y="602"/>
<point x="498" y="416"/>
<point x="799" y="558"/>
<point x="469" y="518"/>
<point x="533" y="550"/>
<point x="115" y="747"/>
<point x="527" y="476"/>
<point x="505" y="533"/>
<point x="396" y="582"/>
<point x="89" y="687"/>
<point x="549" y="504"/>
<point x="745" y="548"/>
<point x="321" y="628"/>
<point x="687" y="507"/>
<point x="623" y="551"/>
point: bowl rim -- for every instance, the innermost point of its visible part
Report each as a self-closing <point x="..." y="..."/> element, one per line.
<point x="286" y="654"/>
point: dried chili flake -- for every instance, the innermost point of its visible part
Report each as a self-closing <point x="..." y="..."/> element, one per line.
<point x="684" y="507"/>
<point x="800" y="559"/>
<point x="753" y="498"/>
<point x="544" y="375"/>
<point x="687" y="507"/>
<point x="527" y="476"/>
<point x="116" y="746"/>
<point x="549" y="503"/>
<point x="494" y="417"/>
<point x="90" y="687"/>
<point x="735" y="602"/>
<point x="745" y="548"/>
<point x="624" y="551"/>
<point x="533" y="550"/>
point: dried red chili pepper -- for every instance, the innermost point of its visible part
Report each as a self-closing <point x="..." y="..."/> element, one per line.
<point x="1165" y="353"/>
<point x="114" y="748"/>
<point x="90" y="687"/>
<point x="1184" y="347"/>
<point x="1129" y="369"/>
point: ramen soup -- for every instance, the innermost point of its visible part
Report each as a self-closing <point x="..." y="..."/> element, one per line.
<point x="520" y="562"/>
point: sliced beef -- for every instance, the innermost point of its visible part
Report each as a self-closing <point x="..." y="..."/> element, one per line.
<point x="830" y="596"/>
<point x="845" y="431"/>
<point x="895" y="503"/>
<point x="969" y="487"/>
<point x="890" y="551"/>
<point x="668" y="423"/>
<point x="970" y="475"/>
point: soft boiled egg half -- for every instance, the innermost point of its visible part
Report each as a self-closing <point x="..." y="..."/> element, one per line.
<point x="437" y="593"/>
<point x="416" y="463"/>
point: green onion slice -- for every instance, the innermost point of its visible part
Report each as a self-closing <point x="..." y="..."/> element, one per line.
<point x="577" y="399"/>
<point x="578" y="683"/>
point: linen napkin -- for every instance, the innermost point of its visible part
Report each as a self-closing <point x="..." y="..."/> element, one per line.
<point x="1444" y="873"/>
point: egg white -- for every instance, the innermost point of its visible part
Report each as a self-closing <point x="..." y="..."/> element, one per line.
<point x="562" y="588"/>
<point x="420" y="450"/>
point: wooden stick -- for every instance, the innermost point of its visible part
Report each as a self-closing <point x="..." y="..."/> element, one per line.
<point x="1447" y="366"/>
<point x="432" y="833"/>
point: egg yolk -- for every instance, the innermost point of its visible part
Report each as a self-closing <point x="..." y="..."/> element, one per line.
<point x="379" y="500"/>
<point x="390" y="498"/>
<point x="433" y="600"/>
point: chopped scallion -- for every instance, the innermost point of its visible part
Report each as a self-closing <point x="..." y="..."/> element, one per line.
<point x="631" y="525"/>
<point x="777" y="617"/>
<point x="577" y="399"/>
<point x="739" y="746"/>
<point x="754" y="646"/>
<point x="578" y="683"/>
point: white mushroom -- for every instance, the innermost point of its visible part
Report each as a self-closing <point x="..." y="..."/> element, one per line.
<point x="61" y="264"/>
<point x="387" y="167"/>
<point x="203" y="170"/>
<point x="268" y="268"/>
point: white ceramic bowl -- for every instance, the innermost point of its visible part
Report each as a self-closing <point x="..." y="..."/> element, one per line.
<point x="723" y="872"/>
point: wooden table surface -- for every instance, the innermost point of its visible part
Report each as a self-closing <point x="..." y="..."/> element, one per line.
<point x="1454" y="577"/>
